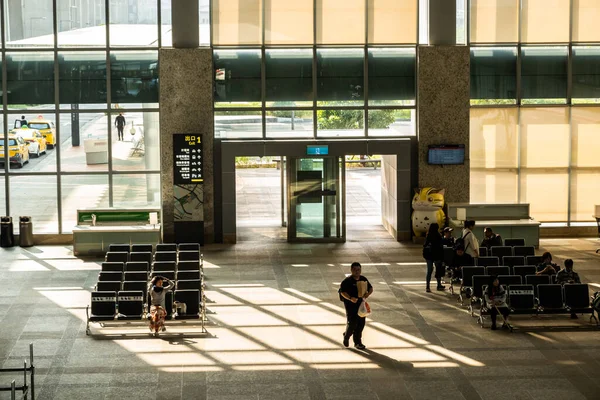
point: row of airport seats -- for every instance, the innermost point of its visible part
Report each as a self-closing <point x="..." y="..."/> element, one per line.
<point x="122" y="288"/>
<point x="543" y="298"/>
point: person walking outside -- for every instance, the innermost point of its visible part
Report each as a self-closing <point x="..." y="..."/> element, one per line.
<point x="349" y="293"/>
<point x="120" y="124"/>
<point x="433" y="253"/>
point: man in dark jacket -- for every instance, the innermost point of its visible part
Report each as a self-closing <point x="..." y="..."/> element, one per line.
<point x="120" y="124"/>
<point x="448" y="239"/>
<point x="491" y="239"/>
<point x="349" y="294"/>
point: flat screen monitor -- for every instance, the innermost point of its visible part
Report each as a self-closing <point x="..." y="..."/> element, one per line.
<point x="317" y="150"/>
<point x="446" y="154"/>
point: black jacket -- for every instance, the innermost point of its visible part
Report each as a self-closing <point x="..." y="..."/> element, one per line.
<point x="437" y="248"/>
<point x="495" y="240"/>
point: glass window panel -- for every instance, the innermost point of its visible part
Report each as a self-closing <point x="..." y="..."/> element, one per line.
<point x="3" y="135"/>
<point x="138" y="149"/>
<point x="461" y="21"/>
<point x="340" y="77"/>
<point x="204" y="8"/>
<point x="39" y="136"/>
<point x="494" y="74"/>
<point x="392" y="21"/>
<point x="585" y="186"/>
<point x="238" y="124"/>
<point x="545" y="137"/>
<point x="494" y="138"/>
<point x="30" y="79"/>
<point x="166" y="30"/>
<point x="391" y="122"/>
<point x="133" y="23"/>
<point x="42" y="207"/>
<point x="494" y="186"/>
<point x="139" y="190"/>
<point x="544" y="75"/>
<point x="545" y="21"/>
<point x="28" y="23"/>
<point x="82" y="77"/>
<point x="391" y="76"/>
<point x="134" y="77"/>
<point x="586" y="74"/>
<point x="340" y="21"/>
<point x="81" y="191"/>
<point x="289" y="77"/>
<point x="585" y="129"/>
<point x="340" y="123"/>
<point x="84" y="141"/>
<point x="288" y="22"/>
<point x="547" y="193"/>
<point x="586" y="14"/>
<point x="237" y="22"/>
<point x="286" y="124"/>
<point x="81" y="23"/>
<point x="237" y="77"/>
<point x="494" y="21"/>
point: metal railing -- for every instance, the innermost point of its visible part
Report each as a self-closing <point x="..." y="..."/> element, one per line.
<point x="25" y="389"/>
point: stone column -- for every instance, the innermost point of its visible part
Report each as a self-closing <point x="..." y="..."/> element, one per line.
<point x="186" y="106"/>
<point x="442" y="22"/>
<point x="444" y="107"/>
<point x="186" y="24"/>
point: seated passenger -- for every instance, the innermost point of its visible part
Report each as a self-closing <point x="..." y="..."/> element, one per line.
<point x="448" y="239"/>
<point x="495" y="298"/>
<point x="158" y="310"/>
<point x="547" y="267"/>
<point x="491" y="239"/>
<point x="567" y="275"/>
<point x="460" y="260"/>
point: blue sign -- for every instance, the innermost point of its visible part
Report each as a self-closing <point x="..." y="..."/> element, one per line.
<point x="317" y="150"/>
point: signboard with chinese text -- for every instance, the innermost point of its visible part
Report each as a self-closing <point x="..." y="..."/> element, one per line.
<point x="187" y="159"/>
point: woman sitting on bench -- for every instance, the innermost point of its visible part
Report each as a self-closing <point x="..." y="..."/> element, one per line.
<point x="495" y="298"/>
<point x="158" y="311"/>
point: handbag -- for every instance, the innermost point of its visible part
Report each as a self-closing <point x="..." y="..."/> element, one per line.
<point x="364" y="310"/>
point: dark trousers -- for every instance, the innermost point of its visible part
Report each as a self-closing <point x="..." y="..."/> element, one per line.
<point x="439" y="271"/>
<point x="494" y="312"/>
<point x="354" y="325"/>
<point x="120" y="132"/>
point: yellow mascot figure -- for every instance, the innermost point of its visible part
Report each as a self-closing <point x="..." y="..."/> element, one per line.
<point x="428" y="204"/>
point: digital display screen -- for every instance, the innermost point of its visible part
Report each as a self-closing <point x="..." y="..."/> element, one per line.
<point x="448" y="154"/>
<point x="317" y="150"/>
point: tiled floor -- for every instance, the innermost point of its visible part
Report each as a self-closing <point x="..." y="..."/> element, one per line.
<point x="276" y="332"/>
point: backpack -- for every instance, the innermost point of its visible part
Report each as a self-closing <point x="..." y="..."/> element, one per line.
<point x="460" y="242"/>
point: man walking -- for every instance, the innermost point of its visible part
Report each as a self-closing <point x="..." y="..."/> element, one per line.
<point x="120" y="124"/>
<point x="349" y="293"/>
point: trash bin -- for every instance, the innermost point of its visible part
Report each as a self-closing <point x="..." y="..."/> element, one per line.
<point x="25" y="232"/>
<point x="7" y="237"/>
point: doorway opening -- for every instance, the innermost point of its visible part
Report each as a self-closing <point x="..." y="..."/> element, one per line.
<point x="260" y="201"/>
<point x="364" y="204"/>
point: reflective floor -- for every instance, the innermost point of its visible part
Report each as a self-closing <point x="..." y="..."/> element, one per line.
<point x="276" y="332"/>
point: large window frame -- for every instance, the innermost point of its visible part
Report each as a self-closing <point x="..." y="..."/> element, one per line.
<point x="58" y="173"/>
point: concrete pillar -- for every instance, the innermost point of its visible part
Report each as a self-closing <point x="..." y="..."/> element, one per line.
<point x="444" y="112"/>
<point x="442" y="22"/>
<point x="186" y="102"/>
<point x="186" y="24"/>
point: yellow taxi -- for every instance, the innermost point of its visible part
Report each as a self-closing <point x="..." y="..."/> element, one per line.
<point x="17" y="150"/>
<point x="34" y="139"/>
<point x="46" y="128"/>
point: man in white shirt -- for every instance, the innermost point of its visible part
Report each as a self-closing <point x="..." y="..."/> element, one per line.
<point x="470" y="242"/>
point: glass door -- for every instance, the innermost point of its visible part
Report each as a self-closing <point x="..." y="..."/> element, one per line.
<point x="315" y="200"/>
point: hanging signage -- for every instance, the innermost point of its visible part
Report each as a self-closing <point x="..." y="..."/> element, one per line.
<point x="187" y="159"/>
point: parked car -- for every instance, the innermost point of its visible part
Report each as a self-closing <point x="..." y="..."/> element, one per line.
<point x="45" y="126"/>
<point x="17" y="150"/>
<point x="34" y="139"/>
